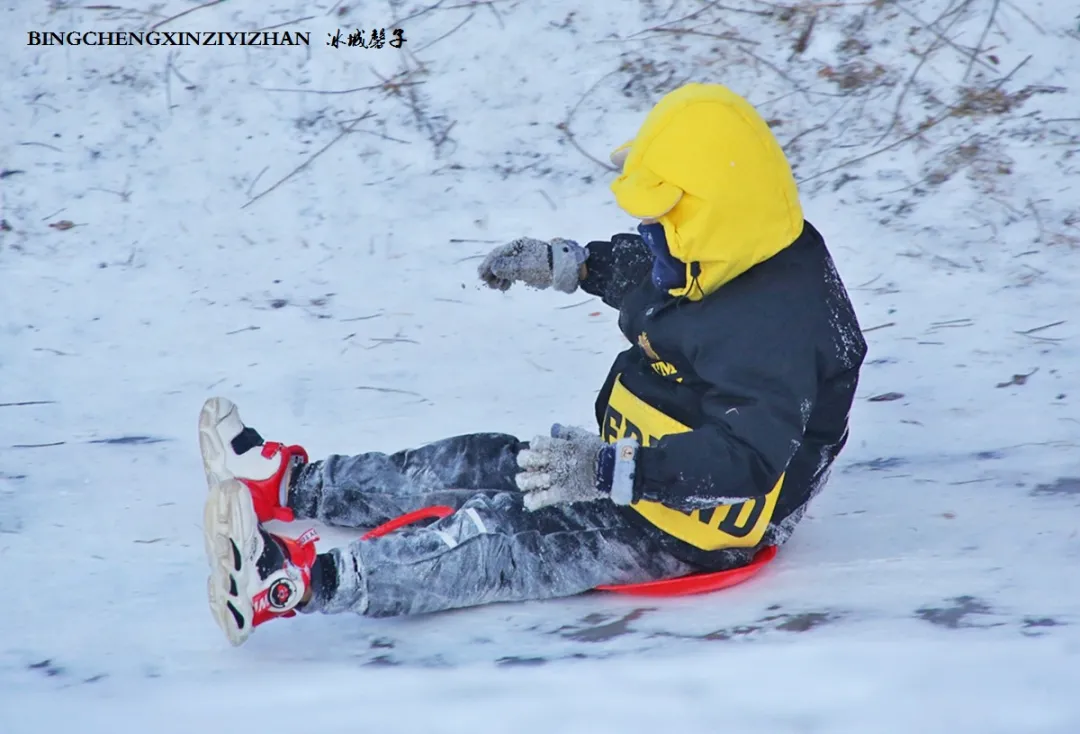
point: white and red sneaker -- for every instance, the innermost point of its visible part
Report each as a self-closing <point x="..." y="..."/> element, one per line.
<point x="255" y="576"/>
<point x="231" y="449"/>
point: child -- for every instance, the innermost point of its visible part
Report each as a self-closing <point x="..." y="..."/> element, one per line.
<point x="716" y="427"/>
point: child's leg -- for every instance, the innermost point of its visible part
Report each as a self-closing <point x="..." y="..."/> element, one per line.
<point x="368" y="489"/>
<point x="491" y="550"/>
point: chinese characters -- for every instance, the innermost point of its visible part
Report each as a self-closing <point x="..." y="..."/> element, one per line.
<point x="375" y="39"/>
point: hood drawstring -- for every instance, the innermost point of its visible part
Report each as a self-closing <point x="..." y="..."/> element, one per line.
<point x="695" y="272"/>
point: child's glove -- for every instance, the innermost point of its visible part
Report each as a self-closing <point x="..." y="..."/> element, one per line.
<point x="535" y="263"/>
<point x="574" y="465"/>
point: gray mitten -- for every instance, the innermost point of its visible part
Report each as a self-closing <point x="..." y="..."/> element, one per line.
<point x="563" y="467"/>
<point x="535" y="263"/>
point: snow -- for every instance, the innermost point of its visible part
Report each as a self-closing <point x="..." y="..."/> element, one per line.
<point x="931" y="587"/>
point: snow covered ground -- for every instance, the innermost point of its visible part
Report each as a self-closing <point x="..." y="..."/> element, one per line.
<point x="935" y="584"/>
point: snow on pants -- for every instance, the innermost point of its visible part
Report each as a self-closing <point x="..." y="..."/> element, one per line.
<point x="491" y="549"/>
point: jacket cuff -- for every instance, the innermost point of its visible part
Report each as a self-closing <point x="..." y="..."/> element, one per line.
<point x="567" y="257"/>
<point x="600" y="263"/>
<point x="605" y="468"/>
<point x="624" y="471"/>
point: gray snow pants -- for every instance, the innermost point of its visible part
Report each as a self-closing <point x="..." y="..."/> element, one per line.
<point x="490" y="550"/>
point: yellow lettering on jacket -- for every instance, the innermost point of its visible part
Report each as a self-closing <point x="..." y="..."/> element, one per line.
<point x="725" y="526"/>
<point x="666" y="369"/>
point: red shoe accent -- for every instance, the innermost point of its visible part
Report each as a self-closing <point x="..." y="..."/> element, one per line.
<point x="301" y="553"/>
<point x="266" y="493"/>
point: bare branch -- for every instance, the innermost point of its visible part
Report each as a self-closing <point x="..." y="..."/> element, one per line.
<point x="946" y="40"/>
<point x="933" y="122"/>
<point x="366" y="88"/>
<point x="1028" y="332"/>
<point x="182" y="14"/>
<point x="392" y="390"/>
<point x="309" y="161"/>
<point x="934" y="45"/>
<point x="282" y="25"/>
<point x="982" y="39"/>
<point x="564" y="126"/>
<point x="1027" y="17"/>
<point x="450" y="32"/>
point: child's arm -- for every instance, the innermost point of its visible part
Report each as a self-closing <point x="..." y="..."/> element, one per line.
<point x="613" y="269"/>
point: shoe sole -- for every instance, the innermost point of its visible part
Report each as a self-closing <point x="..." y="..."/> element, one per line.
<point x="228" y="518"/>
<point x="230" y="528"/>
<point x="213" y="412"/>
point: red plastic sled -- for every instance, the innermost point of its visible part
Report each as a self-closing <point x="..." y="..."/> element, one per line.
<point x="698" y="583"/>
<point x="435" y="512"/>
<point x="695" y="584"/>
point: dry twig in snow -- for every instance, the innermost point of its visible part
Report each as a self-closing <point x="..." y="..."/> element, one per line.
<point x="309" y="161"/>
<point x="982" y="39"/>
<point x="185" y="12"/>
<point x="938" y="41"/>
<point x="924" y="127"/>
<point x="564" y="126"/>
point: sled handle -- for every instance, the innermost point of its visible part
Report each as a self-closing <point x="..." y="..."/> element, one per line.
<point x="424" y="513"/>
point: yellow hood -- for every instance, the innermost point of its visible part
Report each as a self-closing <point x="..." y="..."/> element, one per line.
<point x="707" y="167"/>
